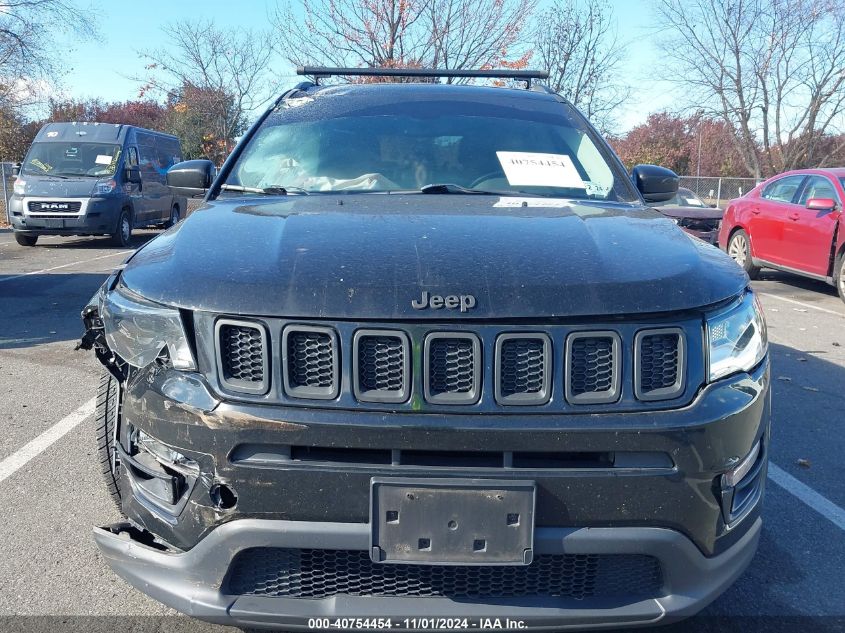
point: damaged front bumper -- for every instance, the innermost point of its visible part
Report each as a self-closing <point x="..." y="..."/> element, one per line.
<point x="196" y="582"/>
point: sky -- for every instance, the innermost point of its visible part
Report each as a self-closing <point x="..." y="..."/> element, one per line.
<point x="104" y="68"/>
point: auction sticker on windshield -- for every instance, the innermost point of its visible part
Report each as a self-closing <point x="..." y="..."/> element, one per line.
<point x="540" y="170"/>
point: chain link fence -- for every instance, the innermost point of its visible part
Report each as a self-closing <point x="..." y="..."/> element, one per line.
<point x="7" y="181"/>
<point x="717" y="190"/>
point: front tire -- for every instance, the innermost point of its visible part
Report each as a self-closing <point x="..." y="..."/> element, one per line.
<point x="174" y="217"/>
<point x="107" y="423"/>
<point x="840" y="277"/>
<point x="123" y="232"/>
<point x="739" y="249"/>
<point x="26" y="240"/>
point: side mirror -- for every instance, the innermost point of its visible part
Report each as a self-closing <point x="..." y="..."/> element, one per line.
<point x="821" y="204"/>
<point x="713" y="205"/>
<point x="133" y="175"/>
<point x="656" y="184"/>
<point x="191" y="177"/>
<point x="16" y="169"/>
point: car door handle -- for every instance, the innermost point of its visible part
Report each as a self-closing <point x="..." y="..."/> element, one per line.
<point x="794" y="215"/>
<point x="755" y="211"/>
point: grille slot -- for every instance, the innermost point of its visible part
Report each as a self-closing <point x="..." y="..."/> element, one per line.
<point x="314" y="573"/>
<point x="50" y="206"/>
<point x="452" y="368"/>
<point x="593" y="367"/>
<point x="659" y="358"/>
<point x="523" y="369"/>
<point x="382" y="366"/>
<point x="242" y="355"/>
<point x="310" y="361"/>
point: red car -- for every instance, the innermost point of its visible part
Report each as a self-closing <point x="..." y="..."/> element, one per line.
<point x="791" y="222"/>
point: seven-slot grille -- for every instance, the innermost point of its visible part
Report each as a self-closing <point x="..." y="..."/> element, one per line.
<point x="659" y="370"/>
<point x="451" y="365"/>
<point x="242" y="356"/>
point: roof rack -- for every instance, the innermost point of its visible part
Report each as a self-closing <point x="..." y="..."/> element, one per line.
<point x="520" y="75"/>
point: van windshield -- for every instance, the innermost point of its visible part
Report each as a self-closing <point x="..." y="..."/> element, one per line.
<point x="407" y="145"/>
<point x="71" y="159"/>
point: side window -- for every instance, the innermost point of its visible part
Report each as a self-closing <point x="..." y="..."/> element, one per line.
<point x="783" y="189"/>
<point x="818" y="187"/>
<point x="132" y="157"/>
<point x="148" y="161"/>
<point x="168" y="154"/>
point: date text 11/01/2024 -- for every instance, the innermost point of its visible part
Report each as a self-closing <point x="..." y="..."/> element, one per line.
<point x="417" y="623"/>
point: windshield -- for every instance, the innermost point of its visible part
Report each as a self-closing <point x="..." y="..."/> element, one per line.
<point x="684" y="198"/>
<point x="71" y="159"/>
<point x="538" y="148"/>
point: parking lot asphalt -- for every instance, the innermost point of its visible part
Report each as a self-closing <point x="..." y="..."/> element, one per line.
<point x="51" y="492"/>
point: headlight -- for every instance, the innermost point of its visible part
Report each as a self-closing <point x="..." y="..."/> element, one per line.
<point x="737" y="338"/>
<point x="19" y="187"/>
<point x="138" y="330"/>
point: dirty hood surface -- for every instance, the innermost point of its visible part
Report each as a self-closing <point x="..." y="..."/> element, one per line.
<point x="368" y="256"/>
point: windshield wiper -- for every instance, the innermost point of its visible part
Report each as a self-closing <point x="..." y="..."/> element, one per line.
<point x="272" y="190"/>
<point x="450" y="187"/>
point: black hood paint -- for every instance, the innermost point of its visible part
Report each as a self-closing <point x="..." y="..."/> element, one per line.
<point x="369" y="257"/>
<point x="692" y="213"/>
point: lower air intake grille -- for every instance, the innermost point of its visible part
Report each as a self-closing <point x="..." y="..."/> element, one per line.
<point x="659" y="360"/>
<point x="382" y="366"/>
<point x="523" y="368"/>
<point x="242" y="355"/>
<point x="452" y="372"/>
<point x="314" y="573"/>
<point x="310" y="362"/>
<point x="592" y="367"/>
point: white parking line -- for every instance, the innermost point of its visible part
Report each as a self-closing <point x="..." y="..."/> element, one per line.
<point x="47" y="270"/>
<point x="19" y="458"/>
<point x="817" y="502"/>
<point x="802" y="304"/>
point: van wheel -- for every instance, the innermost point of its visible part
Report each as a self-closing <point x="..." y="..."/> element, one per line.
<point x="123" y="233"/>
<point x="739" y="248"/>
<point x="106" y="421"/>
<point x="26" y="240"/>
<point x="174" y="217"/>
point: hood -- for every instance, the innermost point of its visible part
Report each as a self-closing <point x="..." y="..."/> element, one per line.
<point x="47" y="187"/>
<point x="369" y="256"/>
<point x="693" y="213"/>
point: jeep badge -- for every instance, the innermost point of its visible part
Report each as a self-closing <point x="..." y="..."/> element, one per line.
<point x="450" y="302"/>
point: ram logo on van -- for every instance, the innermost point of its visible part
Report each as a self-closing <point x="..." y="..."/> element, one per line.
<point x="450" y="302"/>
<point x="55" y="206"/>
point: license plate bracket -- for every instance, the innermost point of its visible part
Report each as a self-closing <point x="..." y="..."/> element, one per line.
<point x="452" y="521"/>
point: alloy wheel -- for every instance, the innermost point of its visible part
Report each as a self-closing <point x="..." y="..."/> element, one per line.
<point x="738" y="249"/>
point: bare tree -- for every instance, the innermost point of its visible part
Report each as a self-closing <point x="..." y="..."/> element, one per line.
<point x="403" y="33"/>
<point x="579" y="47"/>
<point x="223" y="72"/>
<point x="774" y="70"/>
<point x="30" y="31"/>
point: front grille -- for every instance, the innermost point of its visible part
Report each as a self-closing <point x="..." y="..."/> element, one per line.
<point x="314" y="573"/>
<point x="523" y="366"/>
<point x="382" y="366"/>
<point x="659" y="371"/>
<point x="592" y="367"/>
<point x="50" y="206"/>
<point x="487" y="366"/>
<point x="242" y="358"/>
<point x="452" y="368"/>
<point x="310" y="362"/>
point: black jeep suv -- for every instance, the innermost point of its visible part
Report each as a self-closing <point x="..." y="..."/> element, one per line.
<point x="424" y="359"/>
